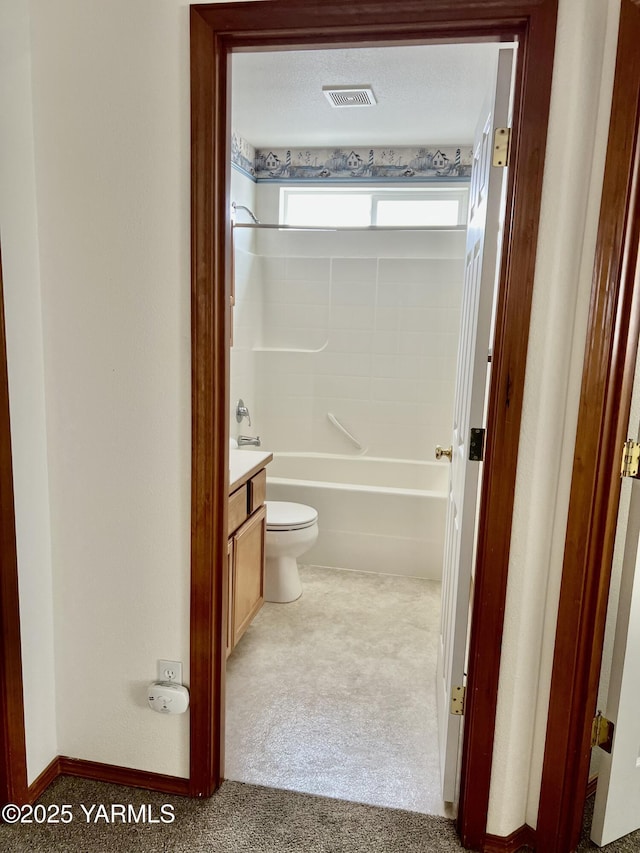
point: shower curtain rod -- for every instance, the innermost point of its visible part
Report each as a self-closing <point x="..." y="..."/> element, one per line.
<point x="276" y="227"/>
<point x="236" y="207"/>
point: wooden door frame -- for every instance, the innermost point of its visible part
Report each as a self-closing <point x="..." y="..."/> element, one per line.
<point x="217" y="30"/>
<point x="605" y="401"/>
<point x="13" y="755"/>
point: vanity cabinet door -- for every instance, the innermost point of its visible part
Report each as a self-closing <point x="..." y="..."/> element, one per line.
<point x="248" y="571"/>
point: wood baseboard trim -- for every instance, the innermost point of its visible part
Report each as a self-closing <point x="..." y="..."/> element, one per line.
<point x="40" y="784"/>
<point x="591" y="787"/>
<point x="523" y="838"/>
<point x="111" y="773"/>
<point x="123" y="776"/>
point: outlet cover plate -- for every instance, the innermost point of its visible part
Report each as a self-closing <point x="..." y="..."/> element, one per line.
<point x="170" y="670"/>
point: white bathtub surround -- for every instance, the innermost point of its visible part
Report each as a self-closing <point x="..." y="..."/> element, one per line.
<point x="342" y="697"/>
<point x="359" y="329"/>
<point x="364" y="326"/>
<point x="342" y="429"/>
<point x="247" y="313"/>
<point x="374" y="515"/>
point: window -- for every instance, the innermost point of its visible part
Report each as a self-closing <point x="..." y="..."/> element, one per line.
<point x="426" y="211"/>
<point x="408" y="208"/>
<point x="327" y="209"/>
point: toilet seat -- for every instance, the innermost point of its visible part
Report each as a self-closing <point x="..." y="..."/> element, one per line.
<point x="284" y="515"/>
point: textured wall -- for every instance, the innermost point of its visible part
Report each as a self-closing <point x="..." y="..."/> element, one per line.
<point x="23" y="313"/>
<point x="111" y="108"/>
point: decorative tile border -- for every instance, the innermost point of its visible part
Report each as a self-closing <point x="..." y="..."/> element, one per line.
<point x="363" y="163"/>
<point x="243" y="154"/>
<point x="449" y="162"/>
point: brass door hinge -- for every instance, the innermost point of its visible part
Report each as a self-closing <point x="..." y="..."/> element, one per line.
<point x="457" y="701"/>
<point x="630" y="459"/>
<point x="602" y="732"/>
<point x="501" y="141"/>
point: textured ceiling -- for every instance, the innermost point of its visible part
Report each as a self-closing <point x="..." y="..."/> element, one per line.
<point x="425" y="93"/>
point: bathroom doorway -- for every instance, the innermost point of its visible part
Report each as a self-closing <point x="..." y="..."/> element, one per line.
<point x="346" y="326"/>
<point x="218" y="31"/>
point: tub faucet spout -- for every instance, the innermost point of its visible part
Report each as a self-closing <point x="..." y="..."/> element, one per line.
<point x="244" y="440"/>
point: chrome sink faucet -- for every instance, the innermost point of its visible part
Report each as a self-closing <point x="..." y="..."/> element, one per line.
<point x="244" y="440"/>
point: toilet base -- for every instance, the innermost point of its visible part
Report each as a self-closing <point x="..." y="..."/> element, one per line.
<point x="282" y="580"/>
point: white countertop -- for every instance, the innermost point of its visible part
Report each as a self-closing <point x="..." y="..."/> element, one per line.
<point x="243" y="464"/>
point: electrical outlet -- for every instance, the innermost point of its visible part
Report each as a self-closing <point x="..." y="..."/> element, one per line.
<point x="170" y="670"/>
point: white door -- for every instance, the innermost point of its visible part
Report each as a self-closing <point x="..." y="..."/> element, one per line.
<point x="485" y="198"/>
<point x="617" y="806"/>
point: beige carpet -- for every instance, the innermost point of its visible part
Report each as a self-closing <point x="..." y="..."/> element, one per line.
<point x="334" y="694"/>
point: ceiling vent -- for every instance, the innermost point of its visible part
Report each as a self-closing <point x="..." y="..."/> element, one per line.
<point x="349" y="96"/>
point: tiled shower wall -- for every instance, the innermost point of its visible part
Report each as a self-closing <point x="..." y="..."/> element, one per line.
<point x="362" y="325"/>
<point x="247" y="315"/>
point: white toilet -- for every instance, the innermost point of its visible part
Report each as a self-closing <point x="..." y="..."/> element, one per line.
<point x="292" y="530"/>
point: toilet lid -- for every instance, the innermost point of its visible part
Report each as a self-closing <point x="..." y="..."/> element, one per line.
<point x="283" y="515"/>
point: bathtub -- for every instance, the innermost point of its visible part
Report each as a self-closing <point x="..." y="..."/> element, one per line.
<point x="374" y="515"/>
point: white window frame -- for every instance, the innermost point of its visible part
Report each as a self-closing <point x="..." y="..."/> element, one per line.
<point x="457" y="192"/>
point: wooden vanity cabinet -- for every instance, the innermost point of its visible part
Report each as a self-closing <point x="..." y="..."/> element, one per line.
<point x="245" y="556"/>
<point x="248" y="572"/>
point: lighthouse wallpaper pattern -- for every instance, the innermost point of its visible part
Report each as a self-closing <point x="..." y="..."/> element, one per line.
<point x="348" y="164"/>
